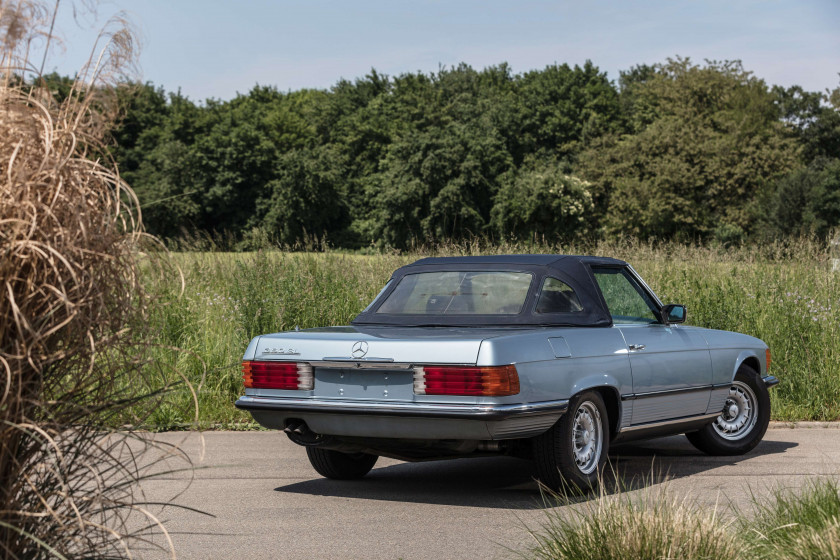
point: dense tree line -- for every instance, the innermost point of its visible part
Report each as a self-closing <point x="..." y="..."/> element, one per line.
<point x="673" y="150"/>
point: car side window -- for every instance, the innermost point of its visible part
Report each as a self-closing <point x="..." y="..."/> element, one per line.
<point x="557" y="297"/>
<point x="626" y="300"/>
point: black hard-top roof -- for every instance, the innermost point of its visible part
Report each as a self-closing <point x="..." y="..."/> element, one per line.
<point x="574" y="270"/>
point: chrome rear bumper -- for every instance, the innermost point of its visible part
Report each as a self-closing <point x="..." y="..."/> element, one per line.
<point x="423" y="410"/>
<point x="407" y="419"/>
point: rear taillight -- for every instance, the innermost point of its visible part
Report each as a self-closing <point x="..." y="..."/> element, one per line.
<point x="495" y="381"/>
<point x="768" y="361"/>
<point x="277" y="375"/>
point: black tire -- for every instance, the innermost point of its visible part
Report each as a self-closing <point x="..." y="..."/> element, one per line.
<point x="714" y="439"/>
<point x="340" y="466"/>
<point x="555" y="450"/>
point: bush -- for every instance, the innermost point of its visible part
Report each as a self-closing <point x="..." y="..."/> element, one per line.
<point x="544" y="202"/>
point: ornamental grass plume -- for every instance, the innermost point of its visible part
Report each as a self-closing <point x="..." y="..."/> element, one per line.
<point x="71" y="307"/>
<point x="649" y="524"/>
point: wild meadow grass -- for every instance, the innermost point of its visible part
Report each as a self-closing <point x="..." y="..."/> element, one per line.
<point x="227" y="299"/>
<point x="655" y="523"/>
<point x="786" y="295"/>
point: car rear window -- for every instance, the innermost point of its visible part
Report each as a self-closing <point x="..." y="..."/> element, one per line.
<point x="459" y="293"/>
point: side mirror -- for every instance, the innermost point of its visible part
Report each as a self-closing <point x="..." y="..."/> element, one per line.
<point x="674" y="313"/>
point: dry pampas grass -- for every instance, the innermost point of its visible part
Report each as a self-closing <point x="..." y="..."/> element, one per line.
<point x="72" y="358"/>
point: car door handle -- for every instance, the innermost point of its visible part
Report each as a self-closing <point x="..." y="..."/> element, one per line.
<point x="637" y="347"/>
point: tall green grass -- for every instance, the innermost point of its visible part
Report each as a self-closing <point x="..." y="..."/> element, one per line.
<point x="786" y="295"/>
<point x="228" y="298"/>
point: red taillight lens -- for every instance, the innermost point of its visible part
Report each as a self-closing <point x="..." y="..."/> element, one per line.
<point x="277" y="375"/>
<point x="768" y="362"/>
<point x="495" y="381"/>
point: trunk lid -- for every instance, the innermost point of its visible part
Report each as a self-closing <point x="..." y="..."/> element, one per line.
<point x="371" y="344"/>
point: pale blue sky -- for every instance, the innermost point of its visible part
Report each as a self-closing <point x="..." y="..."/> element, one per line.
<point x="216" y="49"/>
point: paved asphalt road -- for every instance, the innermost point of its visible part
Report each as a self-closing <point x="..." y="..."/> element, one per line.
<point x="268" y="503"/>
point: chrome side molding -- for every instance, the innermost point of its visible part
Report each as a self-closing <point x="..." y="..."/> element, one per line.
<point x="634" y="396"/>
<point x="686" y="420"/>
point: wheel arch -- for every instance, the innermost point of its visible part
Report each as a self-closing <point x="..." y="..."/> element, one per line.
<point x="612" y="400"/>
<point x="750" y="359"/>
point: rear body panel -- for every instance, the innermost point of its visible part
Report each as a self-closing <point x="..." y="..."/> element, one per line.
<point x="381" y="382"/>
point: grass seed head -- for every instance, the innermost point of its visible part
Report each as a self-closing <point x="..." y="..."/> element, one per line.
<point x="70" y="309"/>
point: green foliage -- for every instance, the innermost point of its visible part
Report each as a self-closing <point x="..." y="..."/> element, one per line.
<point x="805" y="202"/>
<point x="156" y="154"/>
<point x="562" y="108"/>
<point x="306" y="179"/>
<point x="813" y="118"/>
<point x="729" y="235"/>
<point x="675" y="150"/>
<point x="705" y="144"/>
<point x="438" y="184"/>
<point x="543" y="201"/>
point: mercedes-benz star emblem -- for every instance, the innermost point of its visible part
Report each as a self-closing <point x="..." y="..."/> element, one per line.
<point x="360" y="349"/>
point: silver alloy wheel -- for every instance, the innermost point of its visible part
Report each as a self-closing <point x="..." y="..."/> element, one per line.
<point x="587" y="437"/>
<point x="740" y="412"/>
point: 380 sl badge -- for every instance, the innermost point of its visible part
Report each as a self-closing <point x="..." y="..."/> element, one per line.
<point x="281" y="351"/>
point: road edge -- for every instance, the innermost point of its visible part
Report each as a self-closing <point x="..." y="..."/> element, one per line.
<point x="779" y="425"/>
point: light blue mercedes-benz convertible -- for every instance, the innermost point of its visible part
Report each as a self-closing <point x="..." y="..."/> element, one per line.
<point x="548" y="357"/>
